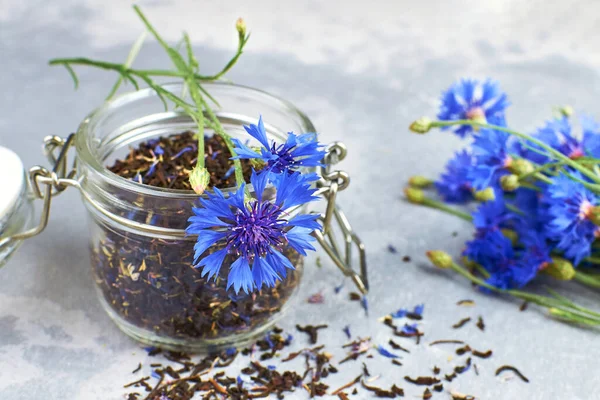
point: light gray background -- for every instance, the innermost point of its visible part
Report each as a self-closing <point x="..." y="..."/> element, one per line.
<point x="362" y="70"/>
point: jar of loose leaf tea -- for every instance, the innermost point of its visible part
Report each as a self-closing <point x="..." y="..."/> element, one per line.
<point x="133" y="157"/>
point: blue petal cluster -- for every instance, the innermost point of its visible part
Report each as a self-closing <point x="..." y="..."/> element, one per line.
<point x="253" y="232"/>
<point x="518" y="233"/>
<point x="473" y="100"/>
<point x="297" y="152"/>
<point x="249" y="234"/>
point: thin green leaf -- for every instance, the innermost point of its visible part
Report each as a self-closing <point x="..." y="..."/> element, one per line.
<point x="133" y="53"/>
<point x="73" y="75"/>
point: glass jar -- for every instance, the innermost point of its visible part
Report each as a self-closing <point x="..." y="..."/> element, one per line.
<point x="16" y="205"/>
<point x="142" y="261"/>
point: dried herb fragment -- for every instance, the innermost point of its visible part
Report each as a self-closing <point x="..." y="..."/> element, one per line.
<point x="396" y="346"/>
<point x="513" y="369"/>
<point x="423" y="380"/>
<point x="396" y="362"/>
<point x="311" y="331"/>
<point x="461" y="323"/>
<point x="523" y="306"/>
<point x="427" y="394"/>
<point x="463" y="368"/>
<point x="436" y="370"/>
<point x="450" y="377"/>
<point x="480" y="323"/>
<point x="462" y="350"/>
<point x="460" y="396"/>
<point x="466" y="302"/>
<point x="485" y="354"/>
<point x="347" y="385"/>
<point x="379" y="392"/>
<point x="406" y="259"/>
<point x="435" y="342"/>
<point x="139" y="367"/>
<point x="476" y="369"/>
<point x="354" y="296"/>
<point x="438" y="388"/>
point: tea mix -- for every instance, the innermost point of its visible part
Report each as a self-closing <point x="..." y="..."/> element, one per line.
<point x="213" y="376"/>
<point x="151" y="283"/>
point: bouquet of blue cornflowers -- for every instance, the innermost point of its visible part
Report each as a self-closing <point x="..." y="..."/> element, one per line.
<point x="254" y="229"/>
<point x="538" y="195"/>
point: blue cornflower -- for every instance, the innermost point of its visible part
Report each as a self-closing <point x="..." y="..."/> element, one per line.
<point x="558" y="134"/>
<point x="297" y="152"/>
<point x="491" y="159"/>
<point x="508" y="267"/>
<point x="253" y="232"/>
<point x="473" y="100"/>
<point x="569" y="209"/>
<point x="454" y="185"/>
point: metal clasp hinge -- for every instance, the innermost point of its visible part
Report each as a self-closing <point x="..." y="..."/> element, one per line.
<point x="330" y="183"/>
<point x="55" y="181"/>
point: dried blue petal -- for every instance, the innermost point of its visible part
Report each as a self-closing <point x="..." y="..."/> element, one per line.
<point x="215" y="154"/>
<point x="240" y="381"/>
<point x="269" y="341"/>
<point x="231" y="351"/>
<point x="392" y="249"/>
<point x="365" y="304"/>
<point x="347" y="331"/>
<point x="337" y="289"/>
<point x="229" y="172"/>
<point x="409" y="329"/>
<point x="159" y="150"/>
<point x="418" y="310"/>
<point x="272" y="367"/>
<point x="182" y="151"/>
<point x="401" y="313"/>
<point x="150" y="349"/>
<point x="155" y="374"/>
<point x="386" y="353"/>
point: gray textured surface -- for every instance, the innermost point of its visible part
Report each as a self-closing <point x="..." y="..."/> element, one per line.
<point x="362" y="71"/>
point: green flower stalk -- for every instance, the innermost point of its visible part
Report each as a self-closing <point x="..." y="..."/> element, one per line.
<point x="186" y="68"/>
<point x="558" y="306"/>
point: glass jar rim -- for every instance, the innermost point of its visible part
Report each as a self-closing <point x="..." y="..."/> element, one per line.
<point x="85" y="153"/>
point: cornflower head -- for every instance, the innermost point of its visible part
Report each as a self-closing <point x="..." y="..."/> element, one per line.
<point x="253" y="233"/>
<point x="473" y="100"/>
<point x="572" y="216"/>
<point x="454" y="185"/>
<point x="298" y="151"/>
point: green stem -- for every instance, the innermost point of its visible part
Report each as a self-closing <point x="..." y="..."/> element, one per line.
<point x="135" y="49"/>
<point x="558" y="155"/>
<point x="586" y="279"/>
<point x="218" y="128"/>
<point x="567" y="309"/>
<point x="438" y="205"/>
<point x="543" y="178"/>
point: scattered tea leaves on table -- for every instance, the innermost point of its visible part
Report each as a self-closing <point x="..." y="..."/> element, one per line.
<point x="461" y="323"/>
<point x="513" y="369"/>
<point x="311" y="331"/>
<point x="427" y="394"/>
<point x="480" y="324"/>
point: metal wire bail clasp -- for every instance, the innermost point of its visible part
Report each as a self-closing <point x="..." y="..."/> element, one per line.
<point x="330" y="183"/>
<point x="45" y="184"/>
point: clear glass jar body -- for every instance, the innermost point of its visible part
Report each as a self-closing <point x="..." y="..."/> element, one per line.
<point x="142" y="262"/>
